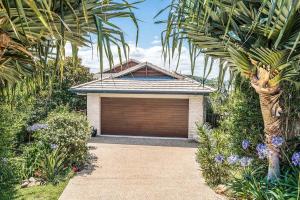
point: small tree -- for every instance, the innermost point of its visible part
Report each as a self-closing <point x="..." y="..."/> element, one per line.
<point x="58" y="85"/>
<point x="258" y="39"/>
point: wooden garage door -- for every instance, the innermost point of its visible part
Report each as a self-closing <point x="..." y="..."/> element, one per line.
<point x="144" y="117"/>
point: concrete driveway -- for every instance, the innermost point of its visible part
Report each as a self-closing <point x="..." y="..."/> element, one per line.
<point x="138" y="169"/>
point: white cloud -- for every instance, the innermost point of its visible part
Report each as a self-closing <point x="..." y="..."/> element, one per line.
<point x="152" y="54"/>
<point x="156" y="41"/>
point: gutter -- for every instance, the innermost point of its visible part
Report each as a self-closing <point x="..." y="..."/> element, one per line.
<point x="83" y="91"/>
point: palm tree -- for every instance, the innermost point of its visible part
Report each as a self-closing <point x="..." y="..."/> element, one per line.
<point x="258" y="39"/>
<point x="32" y="32"/>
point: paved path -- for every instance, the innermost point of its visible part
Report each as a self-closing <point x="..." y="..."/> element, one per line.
<point x="140" y="169"/>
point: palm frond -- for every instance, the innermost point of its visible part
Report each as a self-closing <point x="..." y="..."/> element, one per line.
<point x="38" y="30"/>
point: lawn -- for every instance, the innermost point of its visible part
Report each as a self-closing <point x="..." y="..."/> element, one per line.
<point x="45" y="192"/>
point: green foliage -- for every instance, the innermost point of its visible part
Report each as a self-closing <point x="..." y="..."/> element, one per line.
<point x="59" y="85"/>
<point x="13" y="120"/>
<point x="246" y="36"/>
<point x="211" y="144"/>
<point x="70" y="131"/>
<point x="21" y="153"/>
<point x="43" y="192"/>
<point x="53" y="165"/>
<point x="28" y="48"/>
<point x="72" y="75"/>
<point x="32" y="154"/>
<point x="54" y="92"/>
<point x="291" y="101"/>
<point x="8" y="175"/>
<point x="251" y="185"/>
<point x="240" y="118"/>
<point x="67" y="130"/>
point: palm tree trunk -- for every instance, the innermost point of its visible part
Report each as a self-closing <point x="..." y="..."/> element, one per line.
<point x="4" y="42"/>
<point x="272" y="128"/>
<point x="270" y="108"/>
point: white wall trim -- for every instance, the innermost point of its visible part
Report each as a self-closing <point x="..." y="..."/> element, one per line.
<point x="168" y="96"/>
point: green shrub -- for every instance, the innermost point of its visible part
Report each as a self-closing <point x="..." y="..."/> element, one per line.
<point x="211" y="145"/>
<point x="32" y="156"/>
<point x="69" y="131"/>
<point x="52" y="165"/>
<point x="13" y="120"/>
<point x="253" y="185"/>
<point x="7" y="174"/>
<point x="58" y="85"/>
<point x="240" y="119"/>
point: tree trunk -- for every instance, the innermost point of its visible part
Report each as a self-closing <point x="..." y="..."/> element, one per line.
<point x="270" y="108"/>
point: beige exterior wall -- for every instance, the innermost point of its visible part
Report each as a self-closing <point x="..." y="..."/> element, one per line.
<point x="196" y="108"/>
<point x="93" y="111"/>
<point x="196" y="115"/>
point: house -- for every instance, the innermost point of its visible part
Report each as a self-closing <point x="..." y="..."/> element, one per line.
<point x="141" y="99"/>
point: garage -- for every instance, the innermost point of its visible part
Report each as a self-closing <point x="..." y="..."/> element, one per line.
<point x="145" y="117"/>
<point x="141" y="99"/>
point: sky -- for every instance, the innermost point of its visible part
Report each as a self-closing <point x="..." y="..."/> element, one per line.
<point x="149" y="45"/>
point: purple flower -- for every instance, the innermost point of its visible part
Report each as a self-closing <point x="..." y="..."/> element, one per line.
<point x="36" y="127"/>
<point x="296" y="158"/>
<point x="219" y="158"/>
<point x="233" y="159"/>
<point x="245" y="161"/>
<point x="262" y="150"/>
<point x="245" y="144"/>
<point x="277" y="141"/>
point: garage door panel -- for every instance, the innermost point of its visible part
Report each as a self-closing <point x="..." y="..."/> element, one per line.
<point x="144" y="117"/>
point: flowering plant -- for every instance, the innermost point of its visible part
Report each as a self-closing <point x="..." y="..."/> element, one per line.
<point x="262" y="150"/>
<point x="245" y="161"/>
<point x="212" y="162"/>
<point x="36" y="127"/>
<point x="277" y="141"/>
<point x="233" y="159"/>
<point x="219" y="158"/>
<point x="245" y="144"/>
<point x="69" y="131"/>
<point x="296" y="159"/>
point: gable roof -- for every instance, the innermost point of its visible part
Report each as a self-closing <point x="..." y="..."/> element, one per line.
<point x="147" y="64"/>
<point x="120" y="83"/>
<point x="122" y="64"/>
<point x="135" y="68"/>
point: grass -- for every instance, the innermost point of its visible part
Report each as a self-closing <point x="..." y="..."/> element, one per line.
<point x="44" y="192"/>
